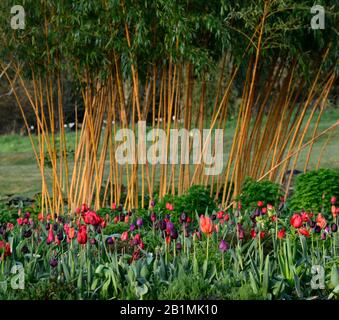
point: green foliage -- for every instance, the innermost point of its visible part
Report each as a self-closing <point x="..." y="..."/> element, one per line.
<point x="253" y="191"/>
<point x="314" y="189"/>
<point x="197" y="198"/>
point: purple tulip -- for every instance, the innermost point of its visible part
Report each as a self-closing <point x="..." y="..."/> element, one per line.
<point x="169" y="226"/>
<point x="323" y="236"/>
<point x="53" y="262"/>
<point x="132" y="227"/>
<point x="139" y="222"/>
<point x="334" y="227"/>
<point x="223" y="246"/>
<point x="178" y="246"/>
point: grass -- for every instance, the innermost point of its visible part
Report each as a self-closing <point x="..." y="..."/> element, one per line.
<point x="20" y="175"/>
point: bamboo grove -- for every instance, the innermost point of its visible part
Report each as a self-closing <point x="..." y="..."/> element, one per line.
<point x="174" y="64"/>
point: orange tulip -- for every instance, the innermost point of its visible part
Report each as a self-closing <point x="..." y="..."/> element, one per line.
<point x="206" y="225"/>
<point x="321" y="221"/>
<point x="71" y="233"/>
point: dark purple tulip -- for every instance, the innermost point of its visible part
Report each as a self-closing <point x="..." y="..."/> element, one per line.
<point x="334" y="227"/>
<point x="27" y="215"/>
<point x="129" y="213"/>
<point x="132" y="227"/>
<point x="223" y="246"/>
<point x="168" y="216"/>
<point x="139" y="222"/>
<point x="183" y="217"/>
<point x="323" y="236"/>
<point x="174" y="234"/>
<point x="317" y="229"/>
<point x="187" y="234"/>
<point x="55" y="227"/>
<point x="53" y="262"/>
<point x="24" y="249"/>
<point x="109" y="240"/>
<point x="98" y="229"/>
<point x="213" y="217"/>
<point x="122" y="217"/>
<point x="120" y="208"/>
<point x="61" y="219"/>
<point x="312" y="223"/>
<point x="60" y="235"/>
<point x="27" y="233"/>
<point x="92" y="241"/>
<point x="178" y="246"/>
<point x="162" y="225"/>
<point x="48" y="226"/>
<point x="152" y="203"/>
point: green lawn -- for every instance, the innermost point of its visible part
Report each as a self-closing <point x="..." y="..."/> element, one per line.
<point x="20" y="175"/>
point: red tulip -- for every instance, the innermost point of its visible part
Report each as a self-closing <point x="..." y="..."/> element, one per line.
<point x="5" y="248"/>
<point x="50" y="237"/>
<point x="220" y="214"/>
<point x="40" y="217"/>
<point x="264" y="210"/>
<point x="114" y="206"/>
<point x="82" y="235"/>
<point x="84" y="208"/>
<point x="304" y="232"/>
<point x="305" y="217"/>
<point x="334" y="211"/>
<point x="269" y="207"/>
<point x="274" y="218"/>
<point x="333" y="200"/>
<point x="281" y="234"/>
<point x="260" y="204"/>
<point x="20" y="221"/>
<point x="124" y="236"/>
<point x="296" y="221"/>
<point x="169" y="206"/>
<point x="262" y="234"/>
<point x="9" y="226"/>
<point x="206" y="225"/>
<point x="253" y="234"/>
<point x="92" y="218"/>
<point x="227" y="217"/>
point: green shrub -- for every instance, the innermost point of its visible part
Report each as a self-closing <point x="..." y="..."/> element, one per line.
<point x="253" y="191"/>
<point x="197" y="198"/>
<point x="313" y="190"/>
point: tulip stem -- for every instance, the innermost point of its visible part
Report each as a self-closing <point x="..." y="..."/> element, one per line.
<point x="207" y="245"/>
<point x="223" y="262"/>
